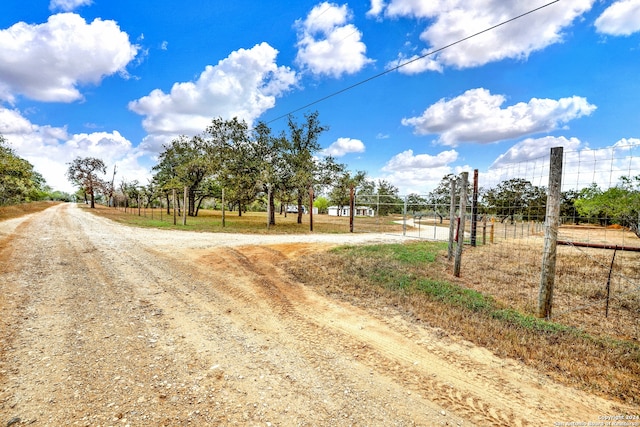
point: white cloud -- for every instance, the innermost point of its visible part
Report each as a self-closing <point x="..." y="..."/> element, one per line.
<point x="68" y="5"/>
<point x="377" y="6"/>
<point x="582" y="165"/>
<point x="627" y="143"/>
<point x="415" y="64"/>
<point x="50" y="149"/>
<point x="419" y="173"/>
<point x="477" y="116"/>
<point x="328" y="44"/>
<point x="532" y="149"/>
<point x="622" y="18"/>
<point x="344" y="146"/>
<point x="243" y="85"/>
<point x="418" y="181"/>
<point x="453" y="20"/>
<point x="47" y="62"/>
<point x="408" y="161"/>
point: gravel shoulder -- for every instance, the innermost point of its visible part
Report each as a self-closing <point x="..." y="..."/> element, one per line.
<point x="107" y="325"/>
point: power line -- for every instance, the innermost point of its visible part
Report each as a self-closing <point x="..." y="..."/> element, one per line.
<point x="432" y="52"/>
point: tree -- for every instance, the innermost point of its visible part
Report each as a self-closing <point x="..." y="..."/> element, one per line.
<point x="389" y="201"/>
<point x="567" y="206"/>
<point x="619" y="204"/>
<point x="272" y="169"/>
<point x="382" y="195"/>
<point x="184" y="163"/>
<point x="516" y="196"/>
<point x="417" y="203"/>
<point x="302" y="145"/>
<point x="19" y="182"/>
<point x="340" y="193"/>
<point x="131" y="191"/>
<point x="232" y="160"/>
<point x="441" y="195"/>
<point x="322" y="204"/>
<point x="84" y="173"/>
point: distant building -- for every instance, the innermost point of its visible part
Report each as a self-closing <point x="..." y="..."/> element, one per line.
<point x="294" y="209"/>
<point x="346" y="211"/>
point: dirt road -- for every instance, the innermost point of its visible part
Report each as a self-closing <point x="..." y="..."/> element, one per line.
<point x="105" y="325"/>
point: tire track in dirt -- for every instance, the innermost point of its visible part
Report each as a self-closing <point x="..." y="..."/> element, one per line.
<point x="482" y="392"/>
<point x="116" y="330"/>
<point x="318" y="349"/>
<point x="377" y="348"/>
<point x="314" y="378"/>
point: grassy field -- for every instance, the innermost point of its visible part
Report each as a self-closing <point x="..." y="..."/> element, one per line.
<point x="249" y="222"/>
<point x="492" y="304"/>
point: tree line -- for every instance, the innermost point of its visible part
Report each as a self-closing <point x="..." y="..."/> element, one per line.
<point x="247" y="165"/>
<point x="20" y="182"/>
<point x="253" y="167"/>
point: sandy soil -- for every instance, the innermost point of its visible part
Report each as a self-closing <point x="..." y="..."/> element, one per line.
<point x="105" y="325"/>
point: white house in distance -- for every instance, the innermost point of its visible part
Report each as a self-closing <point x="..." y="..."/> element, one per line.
<point x="346" y="211"/>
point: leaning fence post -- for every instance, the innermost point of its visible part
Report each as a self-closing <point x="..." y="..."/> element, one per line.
<point x="547" y="276"/>
<point x="463" y="208"/>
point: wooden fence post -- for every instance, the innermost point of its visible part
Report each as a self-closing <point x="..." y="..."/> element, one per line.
<point x="352" y="207"/>
<point x="174" y="207"/>
<point x="223" y="207"/>
<point x="311" y="208"/>
<point x="268" y="206"/>
<point x="474" y="209"/>
<point x="452" y="219"/>
<point x="484" y="230"/>
<point x="547" y="276"/>
<point x="463" y="208"/>
<point x="184" y="206"/>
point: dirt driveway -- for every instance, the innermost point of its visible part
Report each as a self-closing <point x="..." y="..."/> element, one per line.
<point x="105" y="325"/>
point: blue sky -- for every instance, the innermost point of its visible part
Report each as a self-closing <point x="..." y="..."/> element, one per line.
<point x="116" y="79"/>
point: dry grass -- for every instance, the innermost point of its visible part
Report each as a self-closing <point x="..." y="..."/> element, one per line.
<point x="510" y="271"/>
<point x="249" y="222"/>
<point x="493" y="309"/>
<point x="14" y="211"/>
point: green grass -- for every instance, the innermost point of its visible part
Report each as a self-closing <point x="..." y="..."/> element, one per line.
<point x="400" y="267"/>
<point x="415" y="277"/>
<point x="406" y="254"/>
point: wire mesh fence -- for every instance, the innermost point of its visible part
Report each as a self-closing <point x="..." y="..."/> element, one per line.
<point x="597" y="274"/>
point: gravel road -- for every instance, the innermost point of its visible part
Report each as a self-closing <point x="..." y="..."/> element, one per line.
<point x="107" y="325"/>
